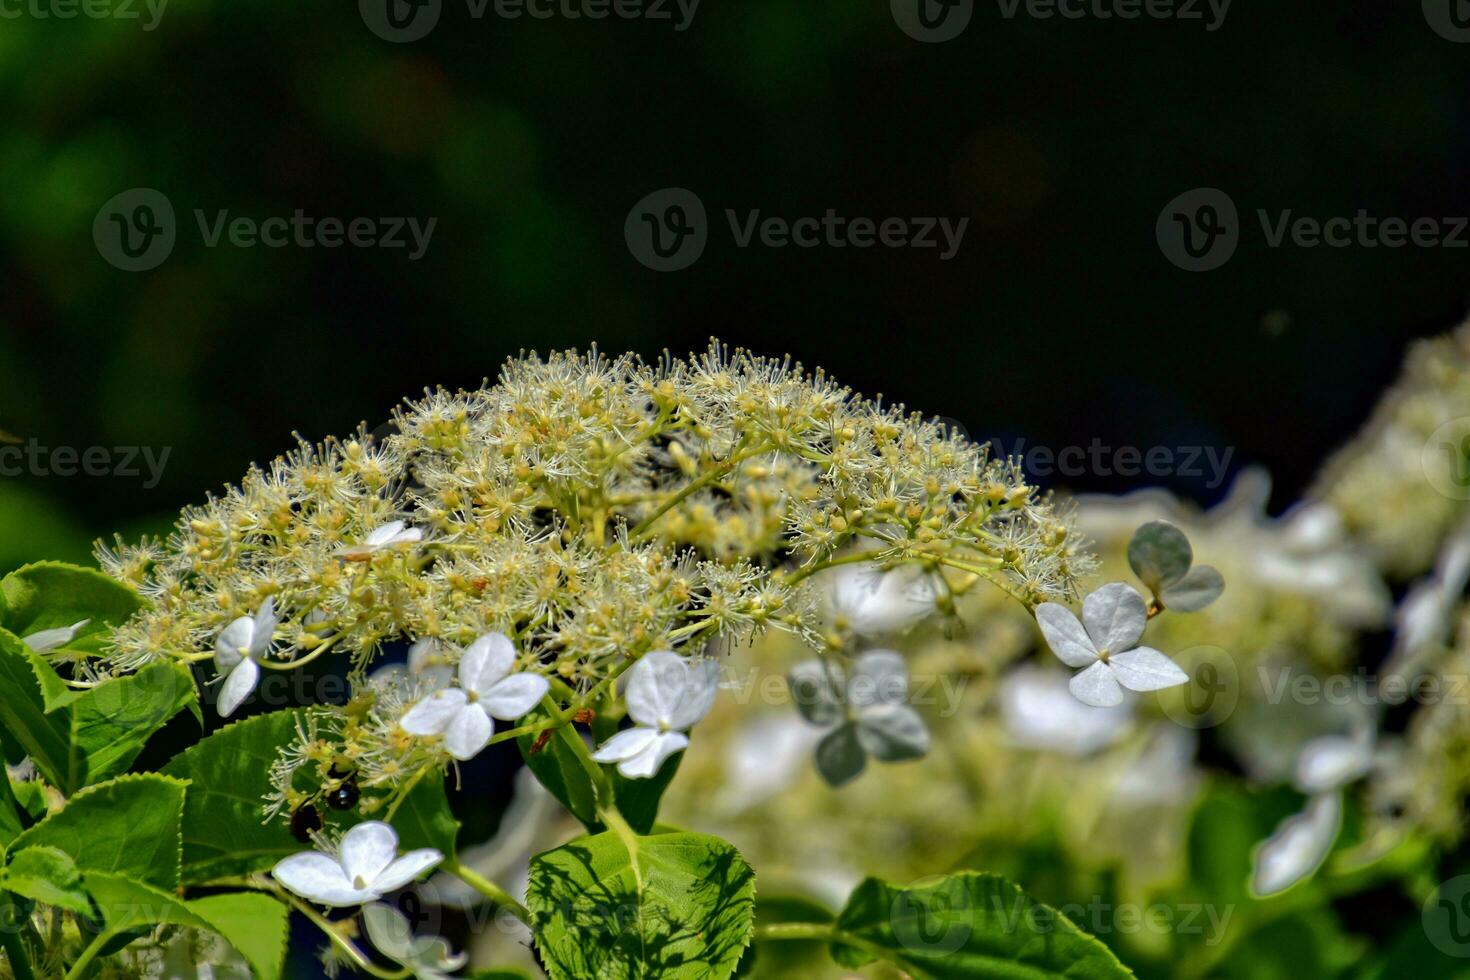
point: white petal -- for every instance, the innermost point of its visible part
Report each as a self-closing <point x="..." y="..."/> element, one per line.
<point x="366" y="850"/>
<point x="514" y="696"/>
<point x="892" y="732"/>
<point x="1331" y="761"/>
<point x="1065" y="635"/>
<point x="43" y="640"/>
<point x="468" y="732"/>
<point x="238" y="685"/>
<point x="1298" y="847"/>
<point x="814" y="689"/>
<point x="625" y="744"/>
<point x="1096" y="686"/>
<point x="488" y="660"/>
<point x="410" y="536"/>
<point x="873" y="601"/>
<point x="316" y="877"/>
<point x="647" y="763"/>
<point x="264" y="628"/>
<point x="878" y="677"/>
<point x="700" y="686"/>
<point x="434" y="713"/>
<point x="382" y="534"/>
<point x="1114" y="616"/>
<point x="1146" y="669"/>
<point x="655" y="685"/>
<point x="406" y="869"/>
<point x="233" y="641"/>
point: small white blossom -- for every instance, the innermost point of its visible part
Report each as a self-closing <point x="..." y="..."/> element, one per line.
<point x="428" y="669"/>
<point x="239" y="646"/>
<point x="1299" y="845"/>
<point x="44" y="640"/>
<point x="384" y="536"/>
<point x="1331" y="761"/>
<point x="426" y="957"/>
<point x="487" y="689"/>
<point x="869" y="601"/>
<point x="870" y="711"/>
<point x="666" y="696"/>
<point x="1040" y="713"/>
<point x="365" y="867"/>
<point x="1105" y="643"/>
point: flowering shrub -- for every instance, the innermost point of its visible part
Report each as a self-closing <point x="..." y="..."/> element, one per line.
<point x="582" y="558"/>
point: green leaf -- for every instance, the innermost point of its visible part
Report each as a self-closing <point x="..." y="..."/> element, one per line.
<point x="254" y="924"/>
<point x="677" y="906"/>
<point x="48" y="875"/>
<point x="557" y="768"/>
<point x="1199" y="587"/>
<point x="229" y="779"/>
<point x="52" y="595"/>
<point x="968" y="925"/>
<point x="1159" y="554"/>
<point x="81" y="737"/>
<point x="10" y="825"/>
<point x="129" y="826"/>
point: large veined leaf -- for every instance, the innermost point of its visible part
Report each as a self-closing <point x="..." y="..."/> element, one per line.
<point x="968" y="926"/>
<point x="46" y="874"/>
<point x="228" y="773"/>
<point x="80" y="737"/>
<point x="53" y="595"/>
<point x="677" y="906"/>
<point x="253" y="923"/>
<point x="129" y="826"/>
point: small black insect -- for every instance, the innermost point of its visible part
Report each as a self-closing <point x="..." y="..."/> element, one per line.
<point x="341" y="769"/>
<point x="345" y="796"/>
<point x="305" y="820"/>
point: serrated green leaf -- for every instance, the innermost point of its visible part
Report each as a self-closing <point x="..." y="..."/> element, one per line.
<point x="680" y="906"/>
<point x="52" y="595"/>
<point x="129" y="826"/>
<point x="80" y="737"/>
<point x="10" y="824"/>
<point x="253" y="923"/>
<point x="969" y="926"/>
<point x="1159" y="554"/>
<point x="48" y="875"/>
<point x="1199" y="587"/>
<point x="229" y="779"/>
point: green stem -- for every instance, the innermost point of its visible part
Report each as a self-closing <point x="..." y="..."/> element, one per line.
<point x="489" y="889"/>
<point x="341" y="942"/>
<point x="819" y="932"/>
<point x="10" y="941"/>
<point x="84" y="962"/>
<point x="720" y="470"/>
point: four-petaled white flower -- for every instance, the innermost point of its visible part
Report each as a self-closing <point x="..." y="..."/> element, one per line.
<point x="1105" y="642"/>
<point x="43" y="640"/>
<point x="365" y="867"/>
<point x="239" y="645"/>
<point x="383" y="536"/>
<point x="487" y="689"/>
<point x="869" y="600"/>
<point x="666" y="695"/>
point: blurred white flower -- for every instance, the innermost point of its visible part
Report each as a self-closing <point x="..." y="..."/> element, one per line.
<point x="426" y="957"/>
<point x="239" y="645"/>
<point x="365" y="867"/>
<point x="666" y="696"/>
<point x="1040" y="713"/>
<point x="869" y="600"/>
<point x="487" y="689"/>
<point x="1298" y="847"/>
<point x="1164" y="774"/>
<point x="428" y="669"/>
<point x="1107" y="646"/>
<point x="384" y="536"/>
<point x="44" y="640"/>
<point x="1332" y="761"/>
<point x="764" y="757"/>
<point x="869" y="708"/>
<point x="1424" y="616"/>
